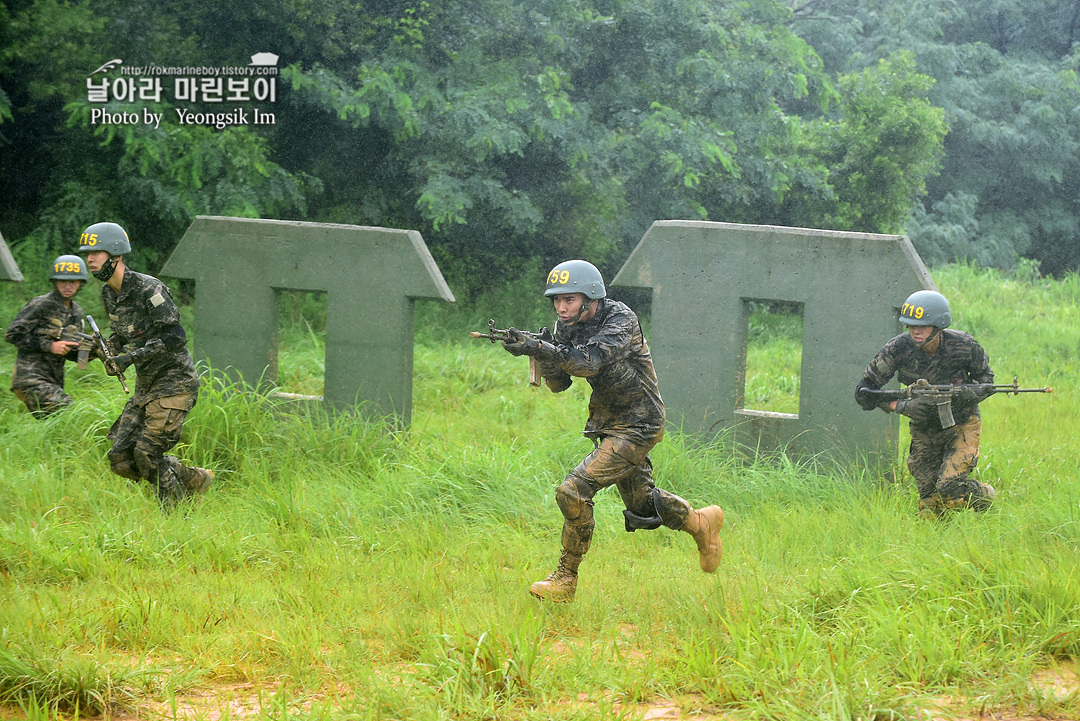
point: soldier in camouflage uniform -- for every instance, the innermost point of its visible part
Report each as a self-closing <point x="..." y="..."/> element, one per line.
<point x="940" y="459"/>
<point x="146" y="333"/>
<point x="48" y="332"/>
<point x="600" y="339"/>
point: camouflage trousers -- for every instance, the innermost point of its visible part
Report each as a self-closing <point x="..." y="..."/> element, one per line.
<point x="43" y="399"/>
<point x="620" y="463"/>
<point x="942" y="461"/>
<point x="141" y="436"/>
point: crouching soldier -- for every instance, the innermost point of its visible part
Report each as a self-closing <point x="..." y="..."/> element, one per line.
<point x="941" y="459"/>
<point x="47" y="333"/>
<point x="600" y="340"/>
<point x="146" y="333"/>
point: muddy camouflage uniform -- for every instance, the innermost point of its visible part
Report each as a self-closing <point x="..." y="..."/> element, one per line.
<point x="940" y="459"/>
<point x="145" y="323"/>
<point x="626" y="420"/>
<point x="38" y="377"/>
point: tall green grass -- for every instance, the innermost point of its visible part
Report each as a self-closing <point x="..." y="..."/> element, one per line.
<point x="342" y="568"/>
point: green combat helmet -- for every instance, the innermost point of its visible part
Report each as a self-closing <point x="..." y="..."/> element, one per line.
<point x="576" y="276"/>
<point x="110" y="238"/>
<point x="926" y="307"/>
<point x="69" y="267"/>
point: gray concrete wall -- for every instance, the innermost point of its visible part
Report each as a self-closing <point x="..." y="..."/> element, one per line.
<point x="850" y="286"/>
<point x="371" y="277"/>
<point x="9" y="269"/>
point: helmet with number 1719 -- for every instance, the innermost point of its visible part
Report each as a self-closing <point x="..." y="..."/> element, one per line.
<point x="926" y="307"/>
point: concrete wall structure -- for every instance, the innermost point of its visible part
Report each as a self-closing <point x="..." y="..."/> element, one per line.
<point x="9" y="269"/>
<point x="850" y="287"/>
<point x="371" y="277"/>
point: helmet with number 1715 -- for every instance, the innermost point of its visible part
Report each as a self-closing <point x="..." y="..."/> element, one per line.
<point x="109" y="237"/>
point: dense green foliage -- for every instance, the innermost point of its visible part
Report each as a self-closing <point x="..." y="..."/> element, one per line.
<point x="1006" y="77"/>
<point x="508" y="132"/>
<point x="512" y="132"/>
<point x="339" y="569"/>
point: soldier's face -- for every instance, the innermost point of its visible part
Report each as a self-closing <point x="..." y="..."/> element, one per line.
<point x="68" y="288"/>
<point x="569" y="305"/>
<point x="920" y="333"/>
<point x="95" y="259"/>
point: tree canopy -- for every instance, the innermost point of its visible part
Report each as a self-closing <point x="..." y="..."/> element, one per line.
<point x="513" y="132"/>
<point x="1006" y="77"/>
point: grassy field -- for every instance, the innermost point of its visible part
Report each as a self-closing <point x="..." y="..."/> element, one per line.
<point x="339" y="569"/>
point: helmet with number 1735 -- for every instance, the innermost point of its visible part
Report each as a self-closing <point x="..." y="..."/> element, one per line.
<point x="69" y="267"/>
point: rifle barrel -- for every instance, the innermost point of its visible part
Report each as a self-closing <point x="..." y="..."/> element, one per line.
<point x="1010" y="389"/>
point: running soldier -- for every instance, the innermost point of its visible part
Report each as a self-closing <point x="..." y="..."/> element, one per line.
<point x="146" y="333"/>
<point x="47" y="333"/>
<point x="600" y="339"/>
<point x="940" y="459"/>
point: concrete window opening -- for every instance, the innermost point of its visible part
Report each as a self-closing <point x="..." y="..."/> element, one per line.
<point x="301" y="344"/>
<point x="368" y="355"/>
<point x="773" y="370"/>
<point x="702" y="274"/>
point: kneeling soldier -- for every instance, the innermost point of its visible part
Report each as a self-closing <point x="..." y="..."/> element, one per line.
<point x="941" y="459"/>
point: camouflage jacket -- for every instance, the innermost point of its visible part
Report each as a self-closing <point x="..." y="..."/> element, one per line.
<point x="611" y="353"/>
<point x="145" y="322"/>
<point x="959" y="359"/>
<point x="38" y="324"/>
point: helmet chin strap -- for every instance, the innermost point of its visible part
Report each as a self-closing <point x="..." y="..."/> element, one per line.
<point x="930" y="338"/>
<point x="584" y="308"/>
<point x="107" y="269"/>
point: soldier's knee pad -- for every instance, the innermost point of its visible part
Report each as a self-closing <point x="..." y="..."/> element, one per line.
<point x="123" y="465"/>
<point x="634" y="522"/>
<point x="147" y="461"/>
<point x="573" y="498"/>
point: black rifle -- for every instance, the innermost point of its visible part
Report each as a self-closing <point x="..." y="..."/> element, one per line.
<point x="70" y="334"/>
<point x="106" y="357"/>
<point x="942" y="396"/>
<point x="495" y="334"/>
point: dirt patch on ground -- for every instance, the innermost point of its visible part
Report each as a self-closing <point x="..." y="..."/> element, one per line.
<point x="249" y="700"/>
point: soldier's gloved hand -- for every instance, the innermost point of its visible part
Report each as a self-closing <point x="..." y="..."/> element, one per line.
<point x="517" y="345"/>
<point x="866" y="401"/>
<point x="123" y="361"/>
<point x="919" y="410"/>
<point x="967" y="396"/>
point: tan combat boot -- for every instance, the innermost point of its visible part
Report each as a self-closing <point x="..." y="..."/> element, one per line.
<point x="983" y="502"/>
<point x="931" y="507"/>
<point x="561" y="585"/>
<point x="704" y="526"/>
<point x="198" y="480"/>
